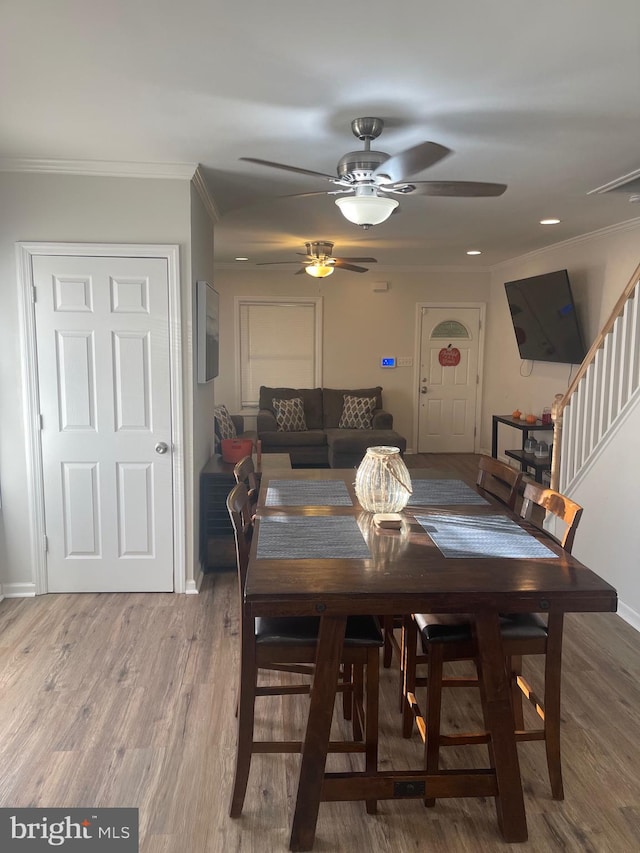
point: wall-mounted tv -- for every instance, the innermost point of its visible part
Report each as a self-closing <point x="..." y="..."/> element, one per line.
<point x="544" y="318"/>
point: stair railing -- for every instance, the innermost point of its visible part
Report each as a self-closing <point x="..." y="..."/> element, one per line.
<point x="604" y="383"/>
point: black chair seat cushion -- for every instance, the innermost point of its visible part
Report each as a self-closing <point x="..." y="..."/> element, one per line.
<point x="303" y="630"/>
<point x="446" y="628"/>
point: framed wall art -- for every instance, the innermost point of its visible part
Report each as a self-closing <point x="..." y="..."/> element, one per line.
<point x="208" y="331"/>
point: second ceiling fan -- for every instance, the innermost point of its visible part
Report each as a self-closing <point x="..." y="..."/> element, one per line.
<point x="366" y="179"/>
<point x="319" y="261"/>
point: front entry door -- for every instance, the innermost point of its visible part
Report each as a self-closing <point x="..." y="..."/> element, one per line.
<point x="449" y="351"/>
<point x="102" y="339"/>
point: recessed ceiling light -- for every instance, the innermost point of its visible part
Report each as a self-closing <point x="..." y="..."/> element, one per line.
<point x="549" y="221"/>
<point x="474" y="252"/>
<point x="242" y="259"/>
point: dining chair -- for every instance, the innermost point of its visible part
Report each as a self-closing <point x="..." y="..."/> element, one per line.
<point x="245" y="472"/>
<point x="498" y="479"/>
<point x="450" y="638"/>
<point x="288" y="644"/>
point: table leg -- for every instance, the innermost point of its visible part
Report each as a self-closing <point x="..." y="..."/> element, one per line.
<point x="494" y="438"/>
<point x="500" y="725"/>
<point x="314" y="750"/>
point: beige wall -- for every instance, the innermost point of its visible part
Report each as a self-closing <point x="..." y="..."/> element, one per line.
<point x="64" y="208"/>
<point x="360" y="326"/>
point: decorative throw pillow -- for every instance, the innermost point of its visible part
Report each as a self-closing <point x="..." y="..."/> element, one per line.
<point x="223" y="425"/>
<point x="357" y="412"/>
<point x="289" y="415"/>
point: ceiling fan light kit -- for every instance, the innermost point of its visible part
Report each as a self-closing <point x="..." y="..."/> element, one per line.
<point x="319" y="270"/>
<point x="366" y="210"/>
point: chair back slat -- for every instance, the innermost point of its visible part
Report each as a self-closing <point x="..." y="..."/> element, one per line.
<point x="245" y="472"/>
<point x="238" y="505"/>
<point x="499" y="479"/>
<point x="556" y="504"/>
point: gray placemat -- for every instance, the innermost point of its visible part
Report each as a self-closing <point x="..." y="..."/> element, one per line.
<point x="443" y="493"/>
<point x="482" y="536"/>
<point x="307" y="493"/>
<point x="311" y="537"/>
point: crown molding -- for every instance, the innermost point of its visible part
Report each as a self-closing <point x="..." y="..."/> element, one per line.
<point x="619" y="228"/>
<point x="617" y="183"/>
<point x="205" y="196"/>
<point x="101" y="168"/>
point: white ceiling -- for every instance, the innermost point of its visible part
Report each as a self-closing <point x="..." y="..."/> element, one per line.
<point x="543" y="96"/>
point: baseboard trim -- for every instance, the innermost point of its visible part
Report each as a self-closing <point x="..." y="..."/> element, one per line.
<point x="630" y="616"/>
<point x="193" y="586"/>
<point x="18" y="590"/>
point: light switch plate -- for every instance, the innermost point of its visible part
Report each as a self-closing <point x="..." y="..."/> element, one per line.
<point x="405" y="361"/>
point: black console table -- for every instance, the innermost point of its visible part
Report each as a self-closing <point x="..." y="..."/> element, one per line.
<point x="539" y="464"/>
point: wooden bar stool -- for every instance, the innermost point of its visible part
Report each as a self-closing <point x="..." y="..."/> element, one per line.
<point x="495" y="477"/>
<point x="450" y="638"/>
<point x="288" y="644"/>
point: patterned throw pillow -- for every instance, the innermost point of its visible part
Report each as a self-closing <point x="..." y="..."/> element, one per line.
<point x="289" y="415"/>
<point x="224" y="426"/>
<point x="357" y="412"/>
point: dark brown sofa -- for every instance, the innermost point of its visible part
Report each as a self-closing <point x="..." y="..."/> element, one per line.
<point x="323" y="442"/>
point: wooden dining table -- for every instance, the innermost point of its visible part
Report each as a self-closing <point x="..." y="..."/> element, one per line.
<point x="334" y="562"/>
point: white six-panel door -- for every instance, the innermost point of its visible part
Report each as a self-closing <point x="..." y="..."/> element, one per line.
<point x="448" y="391"/>
<point x="104" y="387"/>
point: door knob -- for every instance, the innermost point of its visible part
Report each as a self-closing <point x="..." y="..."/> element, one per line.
<point x="161" y="447"/>
<point x="423" y="390"/>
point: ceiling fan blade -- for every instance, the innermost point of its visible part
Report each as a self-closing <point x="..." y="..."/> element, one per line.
<point x="321" y="192"/>
<point x="342" y="266"/>
<point x="271" y="263"/>
<point x="460" y="189"/>
<point x="288" y="168"/>
<point x="357" y="260"/>
<point x="301" y="270"/>
<point x="412" y="160"/>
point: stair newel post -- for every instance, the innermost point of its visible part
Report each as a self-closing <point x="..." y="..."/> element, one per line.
<point x="556" y="416"/>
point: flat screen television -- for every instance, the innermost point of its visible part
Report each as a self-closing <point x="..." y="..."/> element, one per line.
<point x="544" y="318"/>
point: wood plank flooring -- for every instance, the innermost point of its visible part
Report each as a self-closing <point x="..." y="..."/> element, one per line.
<point x="128" y="700"/>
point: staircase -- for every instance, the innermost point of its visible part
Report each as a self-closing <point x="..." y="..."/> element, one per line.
<point x="604" y="391"/>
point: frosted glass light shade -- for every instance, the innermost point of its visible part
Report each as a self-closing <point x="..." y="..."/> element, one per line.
<point x="319" y="270"/>
<point x="383" y="483"/>
<point x="366" y="209"/>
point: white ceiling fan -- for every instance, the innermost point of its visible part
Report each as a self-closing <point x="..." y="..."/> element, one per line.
<point x="367" y="179"/>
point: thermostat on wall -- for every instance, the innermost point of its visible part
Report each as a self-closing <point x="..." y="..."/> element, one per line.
<point x="389" y="361"/>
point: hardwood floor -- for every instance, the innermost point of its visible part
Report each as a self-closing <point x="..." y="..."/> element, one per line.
<point x="128" y="700"/>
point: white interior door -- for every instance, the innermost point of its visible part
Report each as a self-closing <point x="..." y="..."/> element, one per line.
<point x="102" y="337"/>
<point x="449" y="351"/>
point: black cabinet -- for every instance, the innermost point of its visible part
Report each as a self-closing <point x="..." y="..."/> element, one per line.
<point x="216" y="533"/>
<point x="528" y="461"/>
